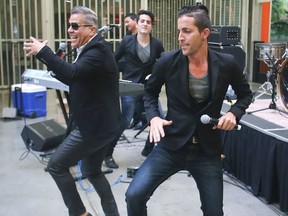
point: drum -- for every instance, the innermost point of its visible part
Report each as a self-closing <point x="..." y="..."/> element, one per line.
<point x="273" y="50"/>
<point x="282" y="85"/>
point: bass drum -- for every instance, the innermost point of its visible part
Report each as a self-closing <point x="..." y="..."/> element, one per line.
<point x="282" y="85"/>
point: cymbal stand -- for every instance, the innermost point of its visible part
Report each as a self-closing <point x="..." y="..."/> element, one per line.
<point x="265" y="87"/>
<point x="270" y="83"/>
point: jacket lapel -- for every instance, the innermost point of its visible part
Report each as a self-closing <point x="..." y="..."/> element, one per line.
<point x="153" y="48"/>
<point x="98" y="37"/>
<point x="183" y="66"/>
<point x="184" y="70"/>
<point x="213" y="68"/>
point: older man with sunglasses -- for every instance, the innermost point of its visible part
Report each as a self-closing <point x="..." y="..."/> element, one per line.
<point x="94" y="92"/>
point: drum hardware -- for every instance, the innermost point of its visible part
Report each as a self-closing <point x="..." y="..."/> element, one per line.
<point x="282" y="83"/>
<point x="273" y="53"/>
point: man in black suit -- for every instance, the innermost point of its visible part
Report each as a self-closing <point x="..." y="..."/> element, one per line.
<point x="93" y="81"/>
<point x="130" y="21"/>
<point x="141" y="51"/>
<point x="196" y="79"/>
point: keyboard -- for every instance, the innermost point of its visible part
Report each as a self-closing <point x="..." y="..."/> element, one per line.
<point x="44" y="78"/>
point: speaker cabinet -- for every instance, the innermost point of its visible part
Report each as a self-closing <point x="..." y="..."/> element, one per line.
<point x="225" y="35"/>
<point x="236" y="51"/>
<point x="43" y="136"/>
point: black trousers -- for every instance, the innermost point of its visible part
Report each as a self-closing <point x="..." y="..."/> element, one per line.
<point x="72" y="150"/>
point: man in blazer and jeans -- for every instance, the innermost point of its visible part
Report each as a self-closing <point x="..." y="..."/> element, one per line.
<point x="196" y="79"/>
<point x="93" y="82"/>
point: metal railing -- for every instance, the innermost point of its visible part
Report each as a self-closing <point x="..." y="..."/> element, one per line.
<point x="43" y="19"/>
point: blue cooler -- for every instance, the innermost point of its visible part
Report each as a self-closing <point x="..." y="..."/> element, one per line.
<point x="33" y="98"/>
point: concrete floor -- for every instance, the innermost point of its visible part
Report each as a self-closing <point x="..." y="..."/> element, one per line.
<point x="28" y="190"/>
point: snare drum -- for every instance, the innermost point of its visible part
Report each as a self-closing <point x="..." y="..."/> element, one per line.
<point x="282" y="84"/>
<point x="272" y="50"/>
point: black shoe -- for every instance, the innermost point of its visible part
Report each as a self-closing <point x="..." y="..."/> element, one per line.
<point x="110" y="162"/>
<point x="148" y="148"/>
<point x="89" y="214"/>
<point x="138" y="126"/>
<point x="133" y="123"/>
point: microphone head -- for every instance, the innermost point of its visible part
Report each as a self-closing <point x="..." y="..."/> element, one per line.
<point x="104" y="29"/>
<point x="205" y="119"/>
<point x="63" y="46"/>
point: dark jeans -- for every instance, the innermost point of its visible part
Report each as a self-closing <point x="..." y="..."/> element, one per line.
<point x="72" y="150"/>
<point x="113" y="143"/>
<point x="162" y="163"/>
<point x="139" y="111"/>
<point x="128" y="104"/>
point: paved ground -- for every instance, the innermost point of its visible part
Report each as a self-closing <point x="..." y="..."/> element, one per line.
<point x="26" y="189"/>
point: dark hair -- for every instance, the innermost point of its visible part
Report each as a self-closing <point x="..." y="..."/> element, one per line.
<point x="200" y="13"/>
<point x="133" y="16"/>
<point x="148" y="13"/>
<point x="202" y="7"/>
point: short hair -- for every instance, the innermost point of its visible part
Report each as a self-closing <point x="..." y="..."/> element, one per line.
<point x="90" y="15"/>
<point x="148" y="13"/>
<point x="202" y="7"/>
<point x="133" y="16"/>
<point x="200" y="13"/>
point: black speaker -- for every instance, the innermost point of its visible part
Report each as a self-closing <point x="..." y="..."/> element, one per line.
<point x="225" y="35"/>
<point x="43" y="136"/>
<point x="236" y="51"/>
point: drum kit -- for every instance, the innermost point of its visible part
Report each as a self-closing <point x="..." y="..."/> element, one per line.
<point x="275" y="56"/>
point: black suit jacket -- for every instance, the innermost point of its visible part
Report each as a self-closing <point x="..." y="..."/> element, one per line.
<point x="135" y="70"/>
<point x="93" y="88"/>
<point x="172" y="70"/>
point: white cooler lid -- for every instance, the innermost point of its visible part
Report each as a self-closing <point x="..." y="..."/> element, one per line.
<point x="29" y="88"/>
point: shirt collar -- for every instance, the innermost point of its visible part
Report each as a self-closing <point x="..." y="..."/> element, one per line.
<point x="79" y="49"/>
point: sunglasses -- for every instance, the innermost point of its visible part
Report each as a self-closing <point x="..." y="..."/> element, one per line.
<point x="75" y="26"/>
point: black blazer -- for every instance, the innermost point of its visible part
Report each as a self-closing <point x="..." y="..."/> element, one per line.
<point x="135" y="70"/>
<point x="93" y="87"/>
<point x="172" y="70"/>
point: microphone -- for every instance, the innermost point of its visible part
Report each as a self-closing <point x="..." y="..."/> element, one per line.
<point x="115" y="25"/>
<point x="61" y="49"/>
<point x="103" y="30"/>
<point x="205" y="119"/>
<point x="107" y="28"/>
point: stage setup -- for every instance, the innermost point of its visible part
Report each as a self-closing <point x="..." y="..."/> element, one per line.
<point x="258" y="153"/>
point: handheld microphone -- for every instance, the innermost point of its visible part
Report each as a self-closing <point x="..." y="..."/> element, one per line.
<point x="61" y="49"/>
<point x="205" y="119"/>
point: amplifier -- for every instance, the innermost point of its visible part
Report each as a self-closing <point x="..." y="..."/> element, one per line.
<point x="225" y="35"/>
<point x="43" y="135"/>
<point x="236" y="51"/>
